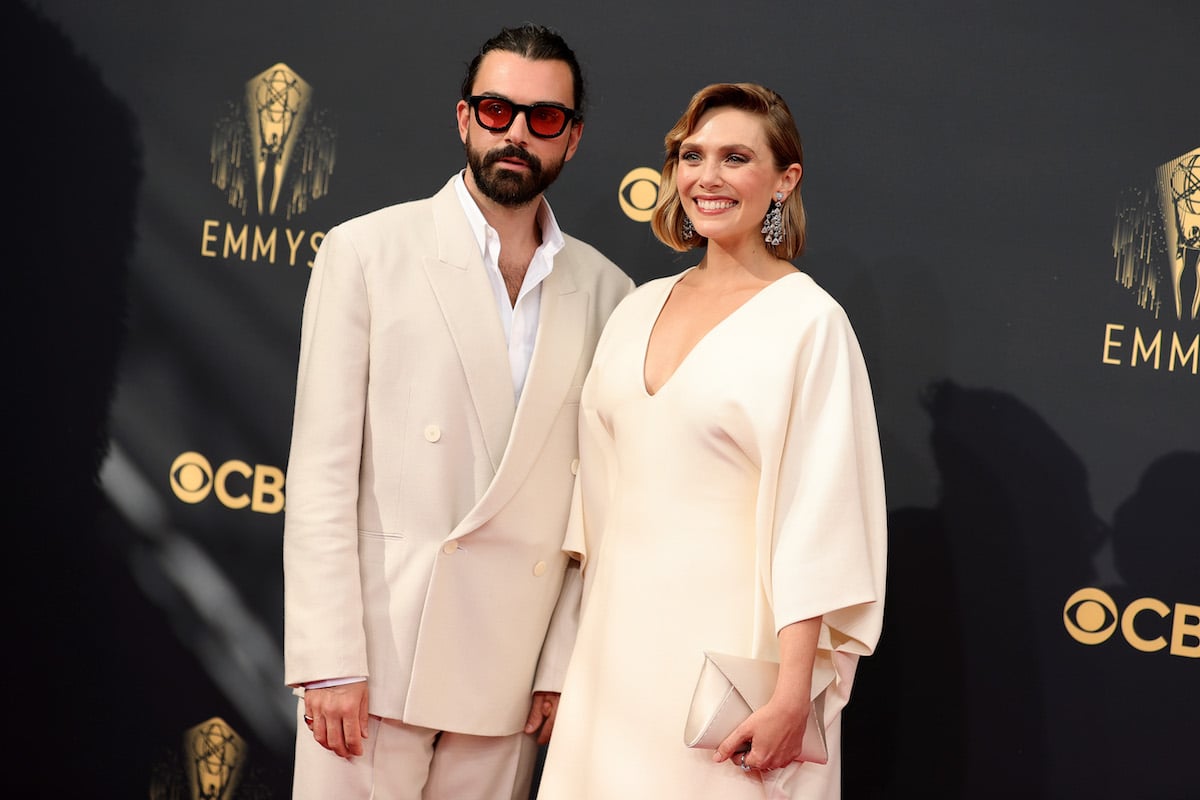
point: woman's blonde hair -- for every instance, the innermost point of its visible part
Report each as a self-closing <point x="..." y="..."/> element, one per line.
<point x="782" y="137"/>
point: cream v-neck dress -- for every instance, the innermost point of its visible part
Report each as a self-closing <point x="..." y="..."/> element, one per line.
<point x="746" y="494"/>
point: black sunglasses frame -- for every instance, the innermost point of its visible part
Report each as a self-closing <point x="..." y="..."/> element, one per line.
<point x="569" y="114"/>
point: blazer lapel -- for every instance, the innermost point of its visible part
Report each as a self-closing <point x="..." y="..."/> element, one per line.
<point x="464" y="294"/>
<point x="560" y="339"/>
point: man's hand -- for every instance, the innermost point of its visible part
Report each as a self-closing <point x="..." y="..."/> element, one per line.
<point x="337" y="717"/>
<point x="542" y="712"/>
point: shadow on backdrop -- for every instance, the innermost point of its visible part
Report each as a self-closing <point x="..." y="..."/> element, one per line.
<point x="101" y="673"/>
<point x="972" y="681"/>
<point x="1151" y="698"/>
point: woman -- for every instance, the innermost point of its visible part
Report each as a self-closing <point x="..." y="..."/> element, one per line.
<point x="730" y="493"/>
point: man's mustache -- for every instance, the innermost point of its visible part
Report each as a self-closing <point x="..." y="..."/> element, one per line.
<point x="512" y="151"/>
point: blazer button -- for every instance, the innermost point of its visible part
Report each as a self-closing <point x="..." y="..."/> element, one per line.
<point x="432" y="433"/>
<point x="575" y="466"/>
<point x="449" y="547"/>
<point x="539" y="569"/>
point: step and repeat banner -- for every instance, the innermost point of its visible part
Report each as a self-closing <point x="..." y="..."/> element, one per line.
<point x="1004" y="196"/>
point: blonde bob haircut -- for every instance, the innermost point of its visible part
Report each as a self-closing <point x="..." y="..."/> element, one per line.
<point x="782" y="137"/>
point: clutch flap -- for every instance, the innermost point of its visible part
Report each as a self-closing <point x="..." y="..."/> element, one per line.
<point x="753" y="678"/>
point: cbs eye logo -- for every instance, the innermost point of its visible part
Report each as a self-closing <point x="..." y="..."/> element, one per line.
<point x="1091" y="617"/>
<point x="235" y="483"/>
<point x="639" y="193"/>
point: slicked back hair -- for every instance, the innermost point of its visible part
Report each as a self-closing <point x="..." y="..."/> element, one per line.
<point x="536" y="43"/>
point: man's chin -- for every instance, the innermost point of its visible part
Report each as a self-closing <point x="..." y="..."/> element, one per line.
<point x="509" y="189"/>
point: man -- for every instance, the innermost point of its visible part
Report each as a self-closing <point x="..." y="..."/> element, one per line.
<point x="444" y="347"/>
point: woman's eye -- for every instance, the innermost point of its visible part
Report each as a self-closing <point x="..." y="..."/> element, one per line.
<point x="690" y="157"/>
<point x="737" y="158"/>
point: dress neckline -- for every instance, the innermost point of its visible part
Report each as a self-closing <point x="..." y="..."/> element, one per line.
<point x="662" y="304"/>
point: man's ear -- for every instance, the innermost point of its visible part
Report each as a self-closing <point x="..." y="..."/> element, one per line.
<point x="463" y="111"/>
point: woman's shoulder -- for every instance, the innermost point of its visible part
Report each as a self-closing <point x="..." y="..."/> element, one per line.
<point x="803" y="286"/>
<point x="649" y="294"/>
<point x="803" y="299"/>
<point x="656" y="286"/>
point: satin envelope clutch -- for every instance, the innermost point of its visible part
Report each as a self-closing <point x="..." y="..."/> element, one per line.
<point x="729" y="690"/>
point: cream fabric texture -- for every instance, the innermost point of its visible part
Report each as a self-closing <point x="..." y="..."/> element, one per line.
<point x="745" y="495"/>
<point x="422" y="543"/>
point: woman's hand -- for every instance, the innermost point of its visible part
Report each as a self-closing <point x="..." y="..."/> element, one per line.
<point x="774" y="734"/>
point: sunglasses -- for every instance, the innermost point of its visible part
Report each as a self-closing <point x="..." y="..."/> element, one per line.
<point x="545" y="120"/>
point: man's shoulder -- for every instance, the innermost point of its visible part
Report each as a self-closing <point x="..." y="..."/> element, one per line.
<point x="396" y="216"/>
<point x="389" y="216"/>
<point x="591" y="260"/>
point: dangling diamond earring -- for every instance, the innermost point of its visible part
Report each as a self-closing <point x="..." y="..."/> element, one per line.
<point x="773" y="224"/>
<point x="688" y="230"/>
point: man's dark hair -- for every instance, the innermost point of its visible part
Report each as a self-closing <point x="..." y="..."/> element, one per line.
<point x="536" y="43"/>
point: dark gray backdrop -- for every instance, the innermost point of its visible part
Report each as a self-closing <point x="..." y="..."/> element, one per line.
<point x="965" y="166"/>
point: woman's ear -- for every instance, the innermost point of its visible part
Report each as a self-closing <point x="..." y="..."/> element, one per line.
<point x="790" y="179"/>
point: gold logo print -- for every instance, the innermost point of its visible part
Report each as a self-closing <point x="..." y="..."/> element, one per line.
<point x="191" y="477"/>
<point x="639" y="193"/>
<point x="236" y="483"/>
<point x="210" y="765"/>
<point x="1179" y="196"/>
<point x="214" y="756"/>
<point x="1090" y="616"/>
<point x="1147" y="624"/>
<point x="273" y="151"/>
<point x="1156" y="240"/>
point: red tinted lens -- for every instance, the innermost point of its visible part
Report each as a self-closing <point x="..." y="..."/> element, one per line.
<point x="494" y="113"/>
<point x="546" y="120"/>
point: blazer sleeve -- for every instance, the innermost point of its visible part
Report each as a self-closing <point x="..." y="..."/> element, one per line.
<point x="323" y="609"/>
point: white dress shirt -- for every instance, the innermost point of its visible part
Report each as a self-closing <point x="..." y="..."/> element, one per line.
<point x="520" y="319"/>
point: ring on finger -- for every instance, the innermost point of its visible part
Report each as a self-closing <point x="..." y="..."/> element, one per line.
<point x="742" y="763"/>
<point x="308" y="720"/>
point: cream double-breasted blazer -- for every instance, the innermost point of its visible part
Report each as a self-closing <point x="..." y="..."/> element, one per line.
<point x="425" y="510"/>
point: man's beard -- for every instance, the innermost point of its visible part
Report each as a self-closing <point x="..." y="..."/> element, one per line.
<point x="505" y="186"/>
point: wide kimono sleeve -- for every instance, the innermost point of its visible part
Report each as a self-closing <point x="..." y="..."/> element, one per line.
<point x="821" y="527"/>
<point x="323" y="608"/>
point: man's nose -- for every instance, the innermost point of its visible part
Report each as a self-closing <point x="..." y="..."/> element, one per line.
<point x="518" y="132"/>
